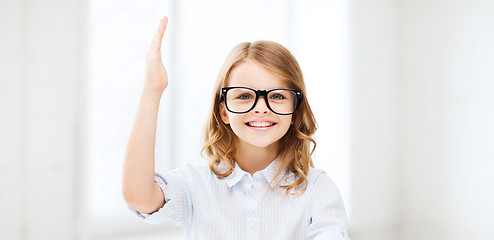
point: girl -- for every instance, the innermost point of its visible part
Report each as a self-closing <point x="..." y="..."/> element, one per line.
<point x="260" y="182"/>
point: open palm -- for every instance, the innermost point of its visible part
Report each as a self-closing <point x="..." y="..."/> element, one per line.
<point x="156" y="76"/>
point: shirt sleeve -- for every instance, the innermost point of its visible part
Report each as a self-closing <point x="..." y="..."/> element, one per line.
<point x="328" y="216"/>
<point x="177" y="192"/>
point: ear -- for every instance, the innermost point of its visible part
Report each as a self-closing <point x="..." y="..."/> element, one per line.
<point x="224" y="114"/>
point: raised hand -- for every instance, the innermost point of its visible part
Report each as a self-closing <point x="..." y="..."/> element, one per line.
<point x="156" y="79"/>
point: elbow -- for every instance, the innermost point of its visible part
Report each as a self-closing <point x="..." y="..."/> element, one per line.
<point x="133" y="195"/>
<point x="138" y="200"/>
<point x="129" y="196"/>
<point x="133" y="200"/>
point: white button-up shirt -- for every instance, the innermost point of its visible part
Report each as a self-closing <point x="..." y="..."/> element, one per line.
<point x="244" y="206"/>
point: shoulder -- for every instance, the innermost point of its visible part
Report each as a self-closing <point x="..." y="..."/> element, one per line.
<point x="315" y="175"/>
<point x="328" y="217"/>
<point x="200" y="168"/>
<point x="325" y="197"/>
<point x="190" y="172"/>
<point x="318" y="181"/>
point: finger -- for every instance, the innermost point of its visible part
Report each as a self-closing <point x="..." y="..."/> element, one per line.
<point x="158" y="35"/>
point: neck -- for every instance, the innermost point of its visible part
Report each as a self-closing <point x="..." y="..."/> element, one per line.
<point x="252" y="159"/>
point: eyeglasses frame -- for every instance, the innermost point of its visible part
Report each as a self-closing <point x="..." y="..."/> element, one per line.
<point x="263" y="93"/>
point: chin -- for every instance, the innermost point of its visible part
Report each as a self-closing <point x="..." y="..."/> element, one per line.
<point x="261" y="144"/>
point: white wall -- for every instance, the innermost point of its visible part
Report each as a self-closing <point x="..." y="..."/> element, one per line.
<point x="41" y="67"/>
<point x="445" y="119"/>
<point x="10" y="105"/>
<point x="423" y="142"/>
<point x="374" y="199"/>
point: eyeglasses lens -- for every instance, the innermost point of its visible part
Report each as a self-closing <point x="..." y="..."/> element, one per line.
<point x="242" y="100"/>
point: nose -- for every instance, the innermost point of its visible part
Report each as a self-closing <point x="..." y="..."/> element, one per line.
<point x="261" y="106"/>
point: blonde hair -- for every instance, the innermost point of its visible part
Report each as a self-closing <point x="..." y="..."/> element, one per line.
<point x="220" y="141"/>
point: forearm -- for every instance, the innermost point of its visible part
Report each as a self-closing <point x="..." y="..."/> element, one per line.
<point x="138" y="186"/>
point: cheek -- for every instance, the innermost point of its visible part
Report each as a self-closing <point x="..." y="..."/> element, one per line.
<point x="235" y="120"/>
<point x="237" y="126"/>
<point x="287" y="119"/>
<point x="286" y="122"/>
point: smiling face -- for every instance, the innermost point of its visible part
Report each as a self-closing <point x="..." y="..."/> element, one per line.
<point x="259" y="127"/>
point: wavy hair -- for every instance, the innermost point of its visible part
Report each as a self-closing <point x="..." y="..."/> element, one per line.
<point x="296" y="146"/>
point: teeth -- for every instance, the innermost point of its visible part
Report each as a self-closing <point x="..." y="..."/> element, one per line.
<point x="260" y="124"/>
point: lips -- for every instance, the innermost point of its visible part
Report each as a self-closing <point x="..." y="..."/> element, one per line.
<point x="260" y="124"/>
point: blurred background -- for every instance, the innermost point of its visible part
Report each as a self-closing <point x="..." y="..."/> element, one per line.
<point x="402" y="90"/>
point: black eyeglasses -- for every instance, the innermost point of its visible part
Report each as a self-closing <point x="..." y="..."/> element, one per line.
<point x="282" y="101"/>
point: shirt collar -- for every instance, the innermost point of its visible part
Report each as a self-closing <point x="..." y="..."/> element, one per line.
<point x="268" y="173"/>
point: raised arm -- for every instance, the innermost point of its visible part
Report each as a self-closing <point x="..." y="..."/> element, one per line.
<point x="138" y="186"/>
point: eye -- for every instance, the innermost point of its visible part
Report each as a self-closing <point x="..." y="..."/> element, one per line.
<point x="277" y="96"/>
<point x="244" y="96"/>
